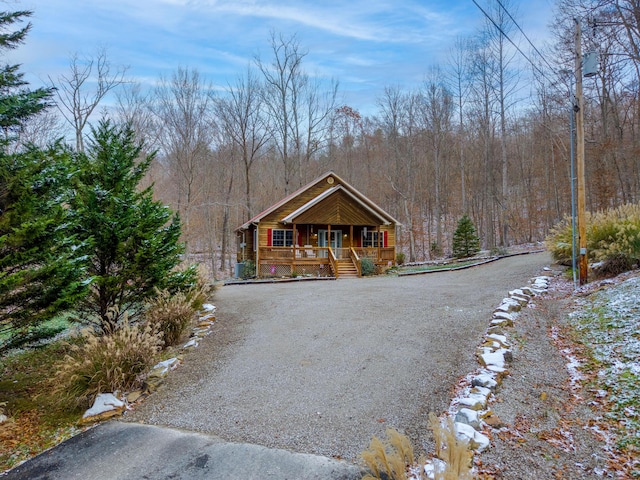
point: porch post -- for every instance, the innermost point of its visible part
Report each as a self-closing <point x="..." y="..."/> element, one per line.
<point x="293" y="244"/>
<point x="257" y="251"/>
<point x="351" y="236"/>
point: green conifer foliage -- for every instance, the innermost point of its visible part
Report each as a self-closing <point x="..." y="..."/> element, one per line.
<point x="465" y="241"/>
<point x="133" y="241"/>
<point x="38" y="266"/>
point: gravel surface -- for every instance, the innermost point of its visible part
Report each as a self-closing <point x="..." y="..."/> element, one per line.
<point x="548" y="420"/>
<point x="320" y="367"/>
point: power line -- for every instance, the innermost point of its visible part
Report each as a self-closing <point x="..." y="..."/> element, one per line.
<point x="511" y="41"/>
<point x="525" y="35"/>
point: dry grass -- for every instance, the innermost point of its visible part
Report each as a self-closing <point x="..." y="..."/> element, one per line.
<point x="390" y="459"/>
<point x="171" y="315"/>
<point x="107" y="363"/>
<point x="454" y="452"/>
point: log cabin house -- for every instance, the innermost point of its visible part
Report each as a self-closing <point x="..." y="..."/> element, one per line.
<point x="323" y="229"/>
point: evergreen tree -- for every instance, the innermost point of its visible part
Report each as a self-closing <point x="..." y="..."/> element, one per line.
<point x="465" y="241"/>
<point x="17" y="104"/>
<point x="134" y="240"/>
<point x="38" y="269"/>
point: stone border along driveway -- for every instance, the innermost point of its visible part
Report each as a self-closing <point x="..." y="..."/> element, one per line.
<point x="470" y="408"/>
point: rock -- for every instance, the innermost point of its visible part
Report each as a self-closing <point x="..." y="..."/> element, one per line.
<point x="500" y="339"/>
<point x="495" y="329"/>
<point x="106" y="405"/>
<point x="207" y="307"/>
<point x="477" y="399"/>
<point x="161" y="369"/>
<point x="501" y="372"/>
<point x="485" y="380"/>
<point x="521" y="300"/>
<point x="509" y="305"/>
<point x="3" y="418"/>
<point x="527" y="291"/>
<point x="473" y="402"/>
<point x="508" y="356"/>
<point x="477" y="441"/>
<point x="468" y="416"/>
<point x="501" y="322"/>
<point x="205" y="323"/>
<point x="134" y="396"/>
<point x="519" y="292"/>
<point x="494" y="358"/>
<point x="193" y="343"/>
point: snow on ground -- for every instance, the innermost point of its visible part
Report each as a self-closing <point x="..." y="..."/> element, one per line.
<point x="608" y="323"/>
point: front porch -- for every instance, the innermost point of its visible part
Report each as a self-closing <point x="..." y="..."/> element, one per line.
<point x="312" y="261"/>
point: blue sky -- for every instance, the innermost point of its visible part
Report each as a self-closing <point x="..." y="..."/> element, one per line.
<point x="364" y="44"/>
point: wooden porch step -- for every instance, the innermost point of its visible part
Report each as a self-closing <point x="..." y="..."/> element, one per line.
<point x="346" y="269"/>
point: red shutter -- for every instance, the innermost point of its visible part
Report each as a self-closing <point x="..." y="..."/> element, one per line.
<point x="299" y="242"/>
<point x="268" y="237"/>
<point x="386" y="239"/>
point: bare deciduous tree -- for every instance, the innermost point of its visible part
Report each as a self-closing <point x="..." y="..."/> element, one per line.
<point x="245" y="123"/>
<point x="80" y="91"/>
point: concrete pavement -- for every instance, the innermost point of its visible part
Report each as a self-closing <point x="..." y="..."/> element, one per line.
<point x="118" y="450"/>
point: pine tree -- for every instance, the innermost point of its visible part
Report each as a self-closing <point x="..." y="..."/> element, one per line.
<point x="465" y="241"/>
<point x="134" y="240"/>
<point x="38" y="267"/>
<point x="17" y="104"/>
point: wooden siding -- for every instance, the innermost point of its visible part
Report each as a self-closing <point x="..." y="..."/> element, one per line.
<point x="297" y="202"/>
<point x="338" y="209"/>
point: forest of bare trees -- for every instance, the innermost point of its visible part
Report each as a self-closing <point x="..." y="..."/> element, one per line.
<point x="486" y="134"/>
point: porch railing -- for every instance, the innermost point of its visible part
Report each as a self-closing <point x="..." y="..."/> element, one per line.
<point x="376" y="254"/>
<point x="356" y="260"/>
<point x="307" y="253"/>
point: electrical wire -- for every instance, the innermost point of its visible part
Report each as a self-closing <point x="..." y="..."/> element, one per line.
<point x="541" y="72"/>
<point x="535" y="49"/>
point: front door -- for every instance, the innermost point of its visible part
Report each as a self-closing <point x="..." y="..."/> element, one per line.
<point x="335" y="241"/>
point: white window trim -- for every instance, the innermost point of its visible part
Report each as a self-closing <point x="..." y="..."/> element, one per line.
<point x="287" y="232"/>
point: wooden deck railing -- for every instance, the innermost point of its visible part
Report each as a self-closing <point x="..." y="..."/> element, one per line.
<point x="356" y="260"/>
<point x="334" y="262"/>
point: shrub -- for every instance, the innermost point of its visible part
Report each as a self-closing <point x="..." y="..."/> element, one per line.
<point x="249" y="269"/>
<point x="107" y="363"/>
<point x="170" y="315"/>
<point x="400" y="258"/>
<point x="613" y="238"/>
<point x="389" y="459"/>
<point x="367" y="266"/>
<point x="200" y="291"/>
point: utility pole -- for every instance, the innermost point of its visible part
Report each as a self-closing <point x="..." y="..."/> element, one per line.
<point x="583" y="264"/>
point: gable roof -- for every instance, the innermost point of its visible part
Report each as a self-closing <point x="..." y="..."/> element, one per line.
<point x="341" y="186"/>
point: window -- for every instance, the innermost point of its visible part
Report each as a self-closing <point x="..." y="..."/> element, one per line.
<point x="371" y="239"/>
<point x="282" y="238"/>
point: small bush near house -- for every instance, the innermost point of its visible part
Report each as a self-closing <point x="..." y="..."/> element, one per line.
<point x="249" y="269"/>
<point x="400" y="257"/>
<point x="170" y="315"/>
<point x="367" y="266"/>
<point x="107" y="363"/>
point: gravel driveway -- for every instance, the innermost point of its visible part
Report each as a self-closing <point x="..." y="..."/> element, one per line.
<point x="320" y="367"/>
